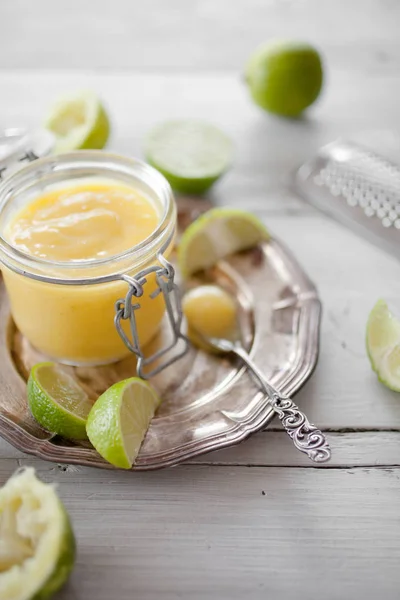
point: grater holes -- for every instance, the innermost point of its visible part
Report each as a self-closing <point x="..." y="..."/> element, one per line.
<point x="361" y="182"/>
<point x="374" y="204"/>
<point x="381" y="213"/>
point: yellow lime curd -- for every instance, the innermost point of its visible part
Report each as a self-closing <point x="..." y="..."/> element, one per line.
<point x="75" y="223"/>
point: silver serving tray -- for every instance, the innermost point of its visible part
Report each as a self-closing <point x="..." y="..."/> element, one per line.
<point x="209" y="402"/>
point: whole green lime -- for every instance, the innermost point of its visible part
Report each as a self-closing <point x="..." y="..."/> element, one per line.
<point x="285" y="77"/>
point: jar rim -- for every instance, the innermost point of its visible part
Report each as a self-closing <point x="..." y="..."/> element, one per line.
<point x="157" y="241"/>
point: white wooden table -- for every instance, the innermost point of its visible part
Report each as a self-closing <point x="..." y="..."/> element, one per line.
<point x="255" y="521"/>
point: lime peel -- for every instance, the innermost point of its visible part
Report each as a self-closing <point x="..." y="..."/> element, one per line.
<point x="37" y="544"/>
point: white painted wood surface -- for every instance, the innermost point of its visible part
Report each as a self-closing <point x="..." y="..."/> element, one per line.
<point x="206" y="529"/>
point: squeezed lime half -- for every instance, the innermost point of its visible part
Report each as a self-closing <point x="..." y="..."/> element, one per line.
<point x="78" y="122"/>
<point x="37" y="544"/>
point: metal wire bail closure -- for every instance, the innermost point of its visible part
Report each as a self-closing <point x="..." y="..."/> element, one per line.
<point x="125" y="310"/>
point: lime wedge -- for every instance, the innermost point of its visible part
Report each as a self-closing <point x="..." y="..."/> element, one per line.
<point x="216" y="234"/>
<point x="37" y="544"/>
<point x="119" y="420"/>
<point x="285" y="77"/>
<point x="190" y="154"/>
<point x="383" y="345"/>
<point x="57" y="402"/>
<point x="78" y="122"/>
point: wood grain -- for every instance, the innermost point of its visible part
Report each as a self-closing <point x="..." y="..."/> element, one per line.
<point x="228" y="533"/>
<point x="272" y="448"/>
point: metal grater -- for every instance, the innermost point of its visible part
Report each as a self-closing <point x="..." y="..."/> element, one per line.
<point x="357" y="187"/>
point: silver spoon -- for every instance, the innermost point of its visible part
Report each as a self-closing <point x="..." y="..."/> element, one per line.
<point x="305" y="436"/>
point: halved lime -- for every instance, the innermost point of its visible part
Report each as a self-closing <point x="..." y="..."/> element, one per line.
<point x="119" y="420"/>
<point x="79" y="122"/>
<point x="216" y="234"/>
<point x="383" y="344"/>
<point x="57" y="402"/>
<point x="190" y="154"/>
<point x="285" y="77"/>
<point x="37" y="544"/>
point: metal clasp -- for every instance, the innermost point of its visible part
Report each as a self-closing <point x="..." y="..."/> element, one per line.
<point x="125" y="310"/>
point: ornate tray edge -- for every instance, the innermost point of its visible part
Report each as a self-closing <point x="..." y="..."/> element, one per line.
<point x="44" y="449"/>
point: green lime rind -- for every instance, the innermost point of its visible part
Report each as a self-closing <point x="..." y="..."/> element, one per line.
<point x="184" y="185"/>
<point x="383" y="345"/>
<point x="104" y="425"/>
<point x="38" y="554"/>
<point x="48" y="412"/>
<point x="97" y="138"/>
<point x="192" y="155"/>
<point x="65" y="562"/>
<point x="216" y="234"/>
<point x="285" y="77"/>
<point x="79" y="122"/>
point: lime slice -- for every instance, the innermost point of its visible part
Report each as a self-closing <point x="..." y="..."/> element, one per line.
<point x="37" y="544"/>
<point x="216" y="234"/>
<point x="285" y="77"/>
<point x="78" y="122"/>
<point x="118" y="422"/>
<point x="57" y="402"/>
<point x="192" y="155"/>
<point x="383" y="345"/>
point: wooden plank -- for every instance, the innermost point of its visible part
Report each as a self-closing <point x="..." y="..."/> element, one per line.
<point x="228" y="533"/>
<point x="216" y="34"/>
<point x="272" y="448"/>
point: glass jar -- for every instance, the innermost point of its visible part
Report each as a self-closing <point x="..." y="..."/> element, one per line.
<point x="66" y="309"/>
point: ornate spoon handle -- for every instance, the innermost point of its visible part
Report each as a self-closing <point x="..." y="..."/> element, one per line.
<point x="305" y="436"/>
